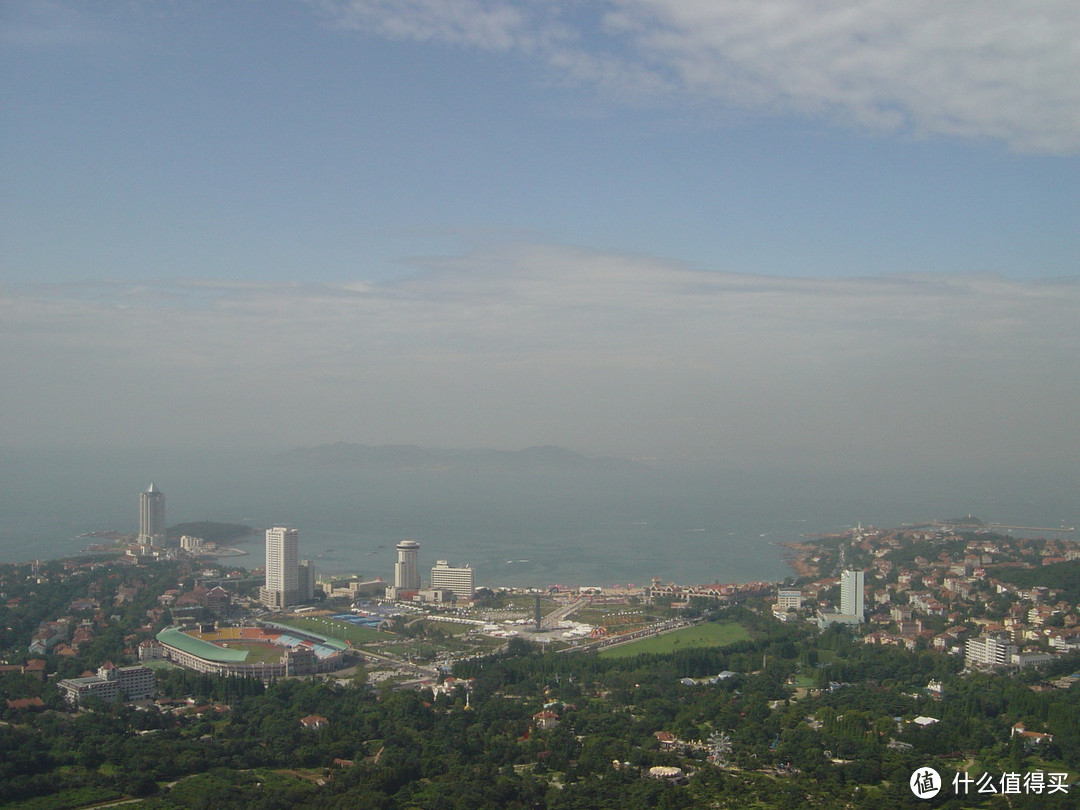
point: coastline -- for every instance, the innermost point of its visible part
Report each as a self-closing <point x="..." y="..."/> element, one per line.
<point x="799" y="557"/>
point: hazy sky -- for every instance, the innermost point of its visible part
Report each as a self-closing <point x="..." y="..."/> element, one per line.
<point x="796" y="232"/>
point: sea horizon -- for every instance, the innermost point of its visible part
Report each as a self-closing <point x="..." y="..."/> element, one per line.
<point x="587" y="527"/>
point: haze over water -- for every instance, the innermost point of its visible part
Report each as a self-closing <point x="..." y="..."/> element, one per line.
<point x="828" y="251"/>
<point x="692" y="525"/>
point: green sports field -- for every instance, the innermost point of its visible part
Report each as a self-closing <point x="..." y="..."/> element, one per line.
<point x="710" y="634"/>
<point x="257" y="653"/>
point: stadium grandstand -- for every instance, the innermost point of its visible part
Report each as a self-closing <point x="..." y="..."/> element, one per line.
<point x="252" y="652"/>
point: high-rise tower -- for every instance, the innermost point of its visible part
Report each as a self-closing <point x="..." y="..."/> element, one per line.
<point x="852" y="584"/>
<point x="407" y="567"/>
<point x="152" y="517"/>
<point x="282" y="568"/>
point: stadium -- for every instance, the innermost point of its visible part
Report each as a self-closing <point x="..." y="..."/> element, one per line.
<point x="252" y="652"/>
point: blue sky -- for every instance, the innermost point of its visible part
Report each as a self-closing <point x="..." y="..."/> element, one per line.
<point x="495" y="222"/>
<point x="262" y="140"/>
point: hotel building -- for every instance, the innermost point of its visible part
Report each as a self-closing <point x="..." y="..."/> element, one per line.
<point x="458" y="579"/>
<point x="407" y="567"/>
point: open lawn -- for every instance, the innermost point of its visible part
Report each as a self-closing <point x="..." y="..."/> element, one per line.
<point x="710" y="634"/>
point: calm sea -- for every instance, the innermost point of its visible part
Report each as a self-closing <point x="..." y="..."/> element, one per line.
<point x="583" y="527"/>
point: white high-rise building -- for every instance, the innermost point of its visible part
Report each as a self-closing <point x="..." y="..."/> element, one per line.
<point x="282" y="568"/>
<point x="458" y="579"/>
<point x="852" y="587"/>
<point x="988" y="651"/>
<point x="152" y="517"/>
<point x="407" y="567"/>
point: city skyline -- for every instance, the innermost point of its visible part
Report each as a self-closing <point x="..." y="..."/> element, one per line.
<point x="787" y="237"/>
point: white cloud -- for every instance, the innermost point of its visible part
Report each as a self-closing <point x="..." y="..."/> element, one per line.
<point x="534" y="344"/>
<point x="1000" y="70"/>
<point x="495" y="25"/>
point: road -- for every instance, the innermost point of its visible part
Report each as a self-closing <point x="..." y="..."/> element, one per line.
<point x="551" y="621"/>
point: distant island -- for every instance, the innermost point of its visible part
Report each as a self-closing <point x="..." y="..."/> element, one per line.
<point x="398" y="457"/>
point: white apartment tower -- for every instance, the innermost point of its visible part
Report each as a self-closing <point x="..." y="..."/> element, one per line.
<point x="407" y="567"/>
<point x="852" y="587"/>
<point x="988" y="651"/>
<point x="458" y="579"/>
<point x="152" y="517"/>
<point x="282" y="569"/>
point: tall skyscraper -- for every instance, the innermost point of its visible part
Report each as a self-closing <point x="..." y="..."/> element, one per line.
<point x="407" y="567"/>
<point x="152" y="517"/>
<point x="458" y="579"/>
<point x="282" y="568"/>
<point x="852" y="586"/>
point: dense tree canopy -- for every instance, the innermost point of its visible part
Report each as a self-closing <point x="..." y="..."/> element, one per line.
<point x="236" y="743"/>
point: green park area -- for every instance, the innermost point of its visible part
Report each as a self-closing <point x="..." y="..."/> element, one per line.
<point x="710" y="634"/>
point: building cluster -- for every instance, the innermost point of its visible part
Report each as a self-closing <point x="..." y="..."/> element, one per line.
<point x="290" y="581"/>
<point x="680" y="595"/>
<point x="77" y="626"/>
<point x="448" y="583"/>
<point x="352" y="588"/>
<point x="177" y="600"/>
<point x="946" y="598"/>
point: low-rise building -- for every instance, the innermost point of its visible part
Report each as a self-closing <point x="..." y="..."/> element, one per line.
<point x="788" y="599"/>
<point x="111" y="684"/>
